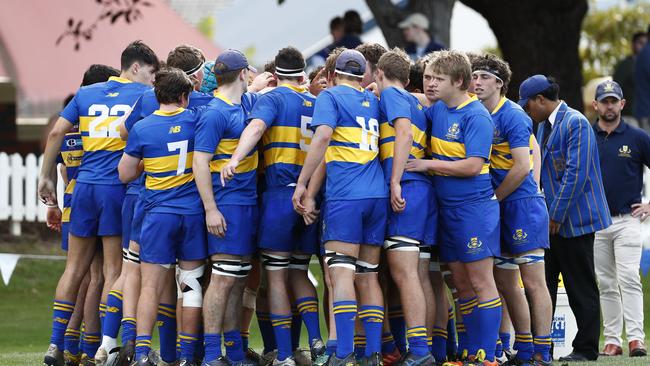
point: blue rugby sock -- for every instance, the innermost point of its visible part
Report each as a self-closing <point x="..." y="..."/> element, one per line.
<point x="372" y="318"/>
<point x="62" y="312"/>
<point x="344" y="315"/>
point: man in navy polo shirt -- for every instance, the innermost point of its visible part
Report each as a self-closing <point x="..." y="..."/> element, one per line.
<point x="623" y="150"/>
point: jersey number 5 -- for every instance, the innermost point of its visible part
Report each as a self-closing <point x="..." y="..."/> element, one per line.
<point x="182" y="154"/>
<point x="97" y="127"/>
<point x="369" y="134"/>
<point x="306" y="132"/>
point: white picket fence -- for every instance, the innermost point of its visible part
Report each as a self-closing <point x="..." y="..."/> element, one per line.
<point x="19" y="190"/>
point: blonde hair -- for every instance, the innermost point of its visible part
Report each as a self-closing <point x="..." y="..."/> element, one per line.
<point x="454" y="64"/>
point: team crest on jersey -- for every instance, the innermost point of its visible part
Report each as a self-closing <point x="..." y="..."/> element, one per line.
<point x="496" y="137"/>
<point x="520" y="236"/>
<point x="175" y="129"/>
<point x="453" y="132"/>
<point x="112" y="94"/>
<point x="625" y="152"/>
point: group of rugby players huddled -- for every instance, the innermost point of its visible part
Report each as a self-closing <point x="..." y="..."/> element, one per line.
<point x="415" y="185"/>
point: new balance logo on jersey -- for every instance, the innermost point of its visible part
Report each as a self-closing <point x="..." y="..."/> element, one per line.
<point x="307" y="103"/>
<point x="175" y="129"/>
<point x="365" y="103"/>
<point x="112" y="94"/>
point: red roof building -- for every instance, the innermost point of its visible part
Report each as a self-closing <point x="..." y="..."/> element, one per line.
<point x="44" y="72"/>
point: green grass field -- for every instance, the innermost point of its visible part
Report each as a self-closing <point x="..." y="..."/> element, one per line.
<point x="25" y="315"/>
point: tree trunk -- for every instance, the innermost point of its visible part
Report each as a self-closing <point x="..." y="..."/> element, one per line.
<point x="539" y="37"/>
<point x="388" y="16"/>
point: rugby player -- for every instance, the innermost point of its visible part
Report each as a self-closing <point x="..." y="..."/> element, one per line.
<point x="346" y="119"/>
<point x="524" y="217"/>
<point x="232" y="224"/>
<point x="281" y="119"/>
<point x="413" y="219"/>
<point x="97" y="198"/>
<point x="461" y="133"/>
<point x="173" y="226"/>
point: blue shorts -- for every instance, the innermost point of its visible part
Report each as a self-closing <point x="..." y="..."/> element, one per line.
<point x="281" y="228"/>
<point x="360" y="221"/>
<point x="241" y="227"/>
<point x="168" y="237"/>
<point x="524" y="225"/>
<point x="136" y="223"/>
<point x="127" y="218"/>
<point x="469" y="232"/>
<point x="65" y="227"/>
<point x="96" y="210"/>
<point x="419" y="220"/>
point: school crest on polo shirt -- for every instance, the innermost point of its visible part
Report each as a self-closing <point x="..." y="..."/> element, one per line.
<point x="454" y="131"/>
<point x="496" y="137"/>
<point x="625" y="152"/>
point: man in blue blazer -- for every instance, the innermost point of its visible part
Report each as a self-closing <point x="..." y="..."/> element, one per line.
<point x="572" y="184"/>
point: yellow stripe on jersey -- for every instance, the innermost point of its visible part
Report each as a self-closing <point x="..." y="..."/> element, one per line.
<point x="246" y="165"/>
<point x="286" y="155"/>
<point x="502" y="101"/>
<point x="448" y="148"/>
<point x="387" y="149"/>
<point x="498" y="159"/>
<point x="284" y="134"/>
<point x="72" y="158"/>
<point x="65" y="216"/>
<point x="165" y="164"/>
<point x="349" y="155"/>
<point x="70" y="187"/>
<point x="347" y="134"/>
<point x="101" y="143"/>
<point x="226" y="146"/>
<point x="162" y="183"/>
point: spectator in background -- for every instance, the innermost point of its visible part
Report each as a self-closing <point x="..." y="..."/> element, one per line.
<point x="352" y="29"/>
<point x="624" y="151"/>
<point x="576" y="202"/>
<point x="337" y="29"/>
<point x="416" y="32"/>
<point x="642" y="87"/>
<point x="624" y="71"/>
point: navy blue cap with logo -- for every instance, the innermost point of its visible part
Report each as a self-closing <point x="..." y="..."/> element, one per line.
<point x="609" y="88"/>
<point x="233" y="60"/>
<point x="351" y="62"/>
<point x="531" y="87"/>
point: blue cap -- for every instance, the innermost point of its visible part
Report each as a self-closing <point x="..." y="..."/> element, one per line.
<point x="609" y="88"/>
<point x="234" y="60"/>
<point x="351" y="62"/>
<point x="531" y="87"/>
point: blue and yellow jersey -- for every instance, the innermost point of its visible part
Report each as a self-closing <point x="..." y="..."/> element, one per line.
<point x="513" y="129"/>
<point x="71" y="154"/>
<point x="218" y="133"/>
<point x="458" y="133"/>
<point x="353" y="168"/>
<point x="287" y="112"/>
<point x="165" y="143"/>
<point x="397" y="103"/>
<point x="100" y="109"/>
<point x="149" y="105"/>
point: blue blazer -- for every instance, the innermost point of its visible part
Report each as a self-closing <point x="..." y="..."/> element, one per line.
<point x="571" y="177"/>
